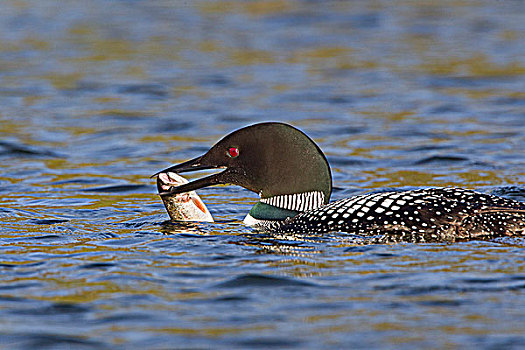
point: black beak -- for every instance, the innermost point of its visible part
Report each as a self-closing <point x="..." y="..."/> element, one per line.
<point x="194" y="165"/>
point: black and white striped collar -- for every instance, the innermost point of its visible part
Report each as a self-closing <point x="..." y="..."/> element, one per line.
<point x="297" y="201"/>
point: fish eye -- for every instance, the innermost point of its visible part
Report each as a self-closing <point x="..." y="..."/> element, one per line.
<point x="233" y="152"/>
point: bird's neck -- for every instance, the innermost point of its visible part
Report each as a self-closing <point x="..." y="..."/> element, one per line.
<point x="296" y="201"/>
<point x="281" y="207"/>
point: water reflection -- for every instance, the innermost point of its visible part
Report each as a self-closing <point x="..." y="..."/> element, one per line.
<point x="403" y="94"/>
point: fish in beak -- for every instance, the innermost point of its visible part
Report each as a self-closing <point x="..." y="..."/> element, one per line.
<point x="199" y="163"/>
<point x="185" y="206"/>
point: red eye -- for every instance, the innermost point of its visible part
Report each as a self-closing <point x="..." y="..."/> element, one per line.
<point x="233" y="152"/>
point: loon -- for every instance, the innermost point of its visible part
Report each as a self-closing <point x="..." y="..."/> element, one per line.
<point x="293" y="179"/>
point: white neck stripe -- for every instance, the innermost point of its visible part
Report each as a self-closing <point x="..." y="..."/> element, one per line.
<point x="297" y="201"/>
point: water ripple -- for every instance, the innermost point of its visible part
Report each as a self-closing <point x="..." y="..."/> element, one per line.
<point x="399" y="96"/>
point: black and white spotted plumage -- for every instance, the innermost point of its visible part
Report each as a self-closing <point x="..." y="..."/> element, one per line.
<point x="426" y="215"/>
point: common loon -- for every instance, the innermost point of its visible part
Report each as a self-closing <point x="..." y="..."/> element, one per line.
<point x="293" y="179"/>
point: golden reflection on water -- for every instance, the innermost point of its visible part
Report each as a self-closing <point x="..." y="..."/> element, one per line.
<point x="474" y="66"/>
<point x="212" y="331"/>
<point x="255" y="8"/>
<point x="64" y="81"/>
<point x="380" y="177"/>
<point x="78" y="243"/>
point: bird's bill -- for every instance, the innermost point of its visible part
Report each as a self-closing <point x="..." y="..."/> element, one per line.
<point x="193" y="165"/>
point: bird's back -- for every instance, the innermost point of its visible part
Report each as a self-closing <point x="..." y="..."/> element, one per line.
<point x="426" y="215"/>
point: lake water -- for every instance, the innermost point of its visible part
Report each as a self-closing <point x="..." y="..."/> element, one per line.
<point x="95" y="96"/>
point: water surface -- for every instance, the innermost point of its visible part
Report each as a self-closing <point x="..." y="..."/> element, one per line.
<point x="96" y="96"/>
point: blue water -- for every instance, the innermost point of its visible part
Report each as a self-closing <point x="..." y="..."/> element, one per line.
<point x="97" y="96"/>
